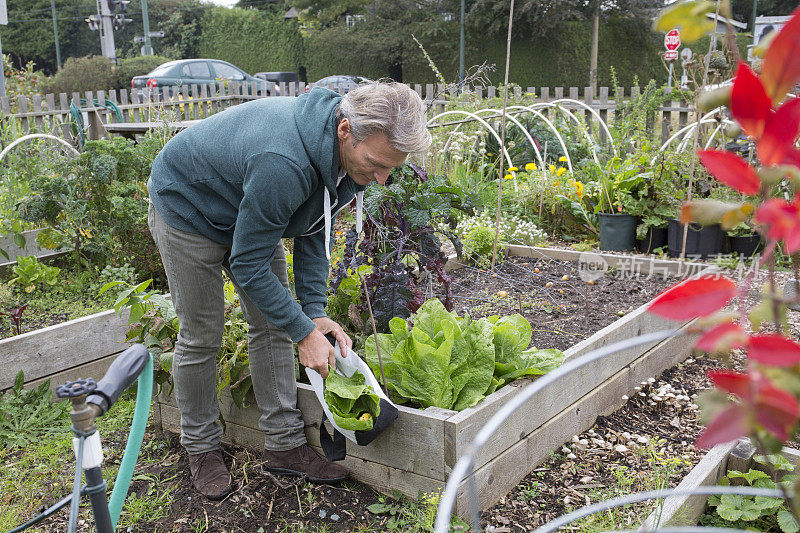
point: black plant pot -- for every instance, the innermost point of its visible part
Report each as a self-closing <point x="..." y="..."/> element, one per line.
<point x="617" y="232"/>
<point x="746" y="245"/>
<point x="654" y="238"/>
<point x="701" y="241"/>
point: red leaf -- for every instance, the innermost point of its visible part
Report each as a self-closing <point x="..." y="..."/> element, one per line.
<point x="728" y="425"/>
<point x="792" y="157"/>
<point x="722" y="338"/>
<point x="781" y="67"/>
<point x="733" y="382"/>
<point x="780" y="132"/>
<point x="782" y="220"/>
<point x="694" y="298"/>
<point x="732" y="170"/>
<point x="773" y="350"/>
<point x="750" y="104"/>
<point x="776" y="410"/>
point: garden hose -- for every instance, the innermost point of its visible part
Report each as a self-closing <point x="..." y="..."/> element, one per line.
<point x="77" y="117"/>
<point x="144" y="394"/>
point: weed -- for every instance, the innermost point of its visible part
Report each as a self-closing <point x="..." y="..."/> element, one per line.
<point x="28" y="415"/>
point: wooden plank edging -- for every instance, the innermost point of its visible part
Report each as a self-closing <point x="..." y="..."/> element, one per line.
<point x="31" y="248"/>
<point x="55" y="349"/>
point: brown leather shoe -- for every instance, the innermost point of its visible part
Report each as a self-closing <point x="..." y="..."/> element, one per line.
<point x="210" y="476"/>
<point x="304" y="461"/>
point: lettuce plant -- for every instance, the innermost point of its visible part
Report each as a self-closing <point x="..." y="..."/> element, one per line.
<point x="352" y="402"/>
<point x="453" y="362"/>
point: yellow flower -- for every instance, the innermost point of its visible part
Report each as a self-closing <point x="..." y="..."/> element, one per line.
<point x="552" y="168"/>
<point x="509" y="176"/>
<point x="512" y="169"/>
<point x="530" y="166"/>
<point x="489" y="154"/>
<point x="578" y="188"/>
<point x="562" y="158"/>
<point x="560" y="171"/>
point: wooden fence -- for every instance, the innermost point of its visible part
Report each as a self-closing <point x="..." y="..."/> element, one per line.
<point x="51" y="112"/>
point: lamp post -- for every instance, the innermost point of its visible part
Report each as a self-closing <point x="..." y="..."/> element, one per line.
<point x="461" y="45"/>
<point x="55" y="33"/>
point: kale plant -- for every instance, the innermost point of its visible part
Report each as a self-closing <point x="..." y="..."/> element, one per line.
<point x="404" y="223"/>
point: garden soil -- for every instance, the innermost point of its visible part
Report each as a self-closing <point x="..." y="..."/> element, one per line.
<point x="647" y="442"/>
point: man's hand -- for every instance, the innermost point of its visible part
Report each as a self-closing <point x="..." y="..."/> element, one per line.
<point x="316" y="352"/>
<point x="326" y="325"/>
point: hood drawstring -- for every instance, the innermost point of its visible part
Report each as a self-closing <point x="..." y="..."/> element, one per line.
<point x="329" y="222"/>
<point x="327" y="214"/>
<point x="359" y="211"/>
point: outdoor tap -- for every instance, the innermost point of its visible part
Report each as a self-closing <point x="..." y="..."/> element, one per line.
<point x="82" y="414"/>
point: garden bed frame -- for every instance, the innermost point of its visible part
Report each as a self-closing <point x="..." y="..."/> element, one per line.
<point x="418" y="452"/>
<point x="31" y="248"/>
<point x="80" y="348"/>
<point x="680" y="511"/>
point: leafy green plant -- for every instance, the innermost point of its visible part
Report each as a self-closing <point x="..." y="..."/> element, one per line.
<point x="748" y="512"/>
<point x="353" y="404"/>
<point x="405" y="221"/>
<point x="453" y="362"/>
<point x="406" y="514"/>
<point x="28" y="415"/>
<point x="152" y="321"/>
<point x="30" y="274"/>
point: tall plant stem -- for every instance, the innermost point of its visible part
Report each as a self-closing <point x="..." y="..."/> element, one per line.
<point x="374" y="333"/>
<point x="503" y="136"/>
<point x="696" y="140"/>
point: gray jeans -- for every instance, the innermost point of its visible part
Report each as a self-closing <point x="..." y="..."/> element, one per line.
<point x="194" y="266"/>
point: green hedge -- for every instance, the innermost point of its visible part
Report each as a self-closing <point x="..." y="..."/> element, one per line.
<point x="92" y="73"/>
<point x="252" y="40"/>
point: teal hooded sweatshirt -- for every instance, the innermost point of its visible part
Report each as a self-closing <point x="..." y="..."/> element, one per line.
<point x="248" y="177"/>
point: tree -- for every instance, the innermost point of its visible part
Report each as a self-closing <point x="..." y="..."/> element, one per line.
<point x="385" y="33"/>
<point x="29" y="34"/>
<point x="743" y="9"/>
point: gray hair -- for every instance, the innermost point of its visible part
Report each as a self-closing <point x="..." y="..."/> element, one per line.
<point x="390" y="108"/>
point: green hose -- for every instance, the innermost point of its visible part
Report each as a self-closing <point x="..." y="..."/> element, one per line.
<point x="144" y="395"/>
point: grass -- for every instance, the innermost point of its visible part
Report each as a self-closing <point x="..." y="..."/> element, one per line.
<point x="627" y="482"/>
<point x="40" y="474"/>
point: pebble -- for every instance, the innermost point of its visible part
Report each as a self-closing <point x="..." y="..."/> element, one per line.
<point x="323" y="513"/>
<point x="335" y="517"/>
<point x="642" y="440"/>
<point x="621" y="448"/>
<point x="571" y="456"/>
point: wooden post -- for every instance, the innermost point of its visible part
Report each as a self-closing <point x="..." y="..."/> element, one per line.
<point x="50" y="100"/>
<point x="588" y="98"/>
<point x="603" y="111"/>
<point x="22" y="102"/>
<point x="37" y="108"/>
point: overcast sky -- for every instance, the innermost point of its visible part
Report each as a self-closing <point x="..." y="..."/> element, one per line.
<point x="226" y="3"/>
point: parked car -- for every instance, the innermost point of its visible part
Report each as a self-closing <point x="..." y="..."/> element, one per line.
<point x="276" y="78"/>
<point x="340" y="84"/>
<point x="193" y="71"/>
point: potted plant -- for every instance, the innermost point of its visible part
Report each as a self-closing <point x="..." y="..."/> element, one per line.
<point x="742" y="240"/>
<point x="619" y="186"/>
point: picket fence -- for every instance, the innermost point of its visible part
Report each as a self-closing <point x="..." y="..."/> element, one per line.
<point x="51" y="113"/>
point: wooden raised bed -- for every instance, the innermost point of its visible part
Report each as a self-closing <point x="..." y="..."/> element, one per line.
<point x="418" y="452"/>
<point x="80" y="348"/>
<point x="680" y="511"/>
<point x="31" y="248"/>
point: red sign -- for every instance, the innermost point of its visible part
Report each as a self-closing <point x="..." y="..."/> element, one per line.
<point x="670" y="55"/>
<point x="672" y="40"/>
<point x="152" y="82"/>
